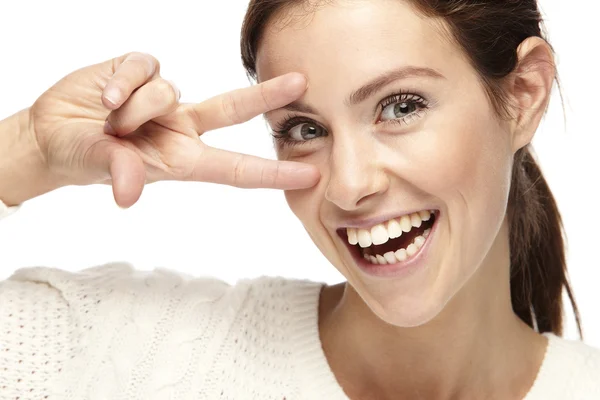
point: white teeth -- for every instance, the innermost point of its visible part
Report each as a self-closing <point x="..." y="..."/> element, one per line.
<point x="425" y="215"/>
<point x="401" y="255"/>
<point x="405" y="223"/>
<point x="415" y="220"/>
<point x="379" y="234"/>
<point x="419" y="241"/>
<point x="411" y="250"/>
<point x="394" y="229"/>
<point x="352" y="236"/>
<point x="364" y="238"/>
<point x="390" y="257"/>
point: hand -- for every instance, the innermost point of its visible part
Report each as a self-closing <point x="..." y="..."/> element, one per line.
<point x="120" y="123"/>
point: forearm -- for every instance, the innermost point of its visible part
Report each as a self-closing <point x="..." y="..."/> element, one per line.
<point x="23" y="171"/>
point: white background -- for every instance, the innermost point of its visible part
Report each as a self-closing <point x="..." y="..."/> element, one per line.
<point x="230" y="233"/>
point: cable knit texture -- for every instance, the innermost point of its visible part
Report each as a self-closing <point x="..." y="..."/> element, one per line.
<point x="114" y="332"/>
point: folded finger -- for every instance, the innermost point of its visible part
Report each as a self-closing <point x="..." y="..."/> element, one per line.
<point x="156" y="98"/>
<point x="131" y="71"/>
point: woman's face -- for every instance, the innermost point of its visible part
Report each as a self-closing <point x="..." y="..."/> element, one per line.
<point x="398" y="123"/>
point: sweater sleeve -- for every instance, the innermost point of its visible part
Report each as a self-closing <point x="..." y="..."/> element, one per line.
<point x="47" y="318"/>
<point x="37" y="338"/>
<point x="101" y="332"/>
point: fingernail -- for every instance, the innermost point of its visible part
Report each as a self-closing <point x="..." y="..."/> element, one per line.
<point x="176" y="89"/>
<point x="108" y="129"/>
<point x="112" y="95"/>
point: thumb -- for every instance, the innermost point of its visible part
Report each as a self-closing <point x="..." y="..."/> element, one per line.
<point x="125" y="167"/>
<point x="128" y="177"/>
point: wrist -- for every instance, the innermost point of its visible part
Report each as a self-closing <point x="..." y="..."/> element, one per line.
<point x="23" y="169"/>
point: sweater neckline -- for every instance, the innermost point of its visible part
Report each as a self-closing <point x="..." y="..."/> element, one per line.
<point x="313" y="369"/>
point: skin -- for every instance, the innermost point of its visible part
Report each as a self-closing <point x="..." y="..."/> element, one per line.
<point x="449" y="330"/>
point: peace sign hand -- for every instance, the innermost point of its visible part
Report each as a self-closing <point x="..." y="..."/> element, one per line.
<point x="119" y="122"/>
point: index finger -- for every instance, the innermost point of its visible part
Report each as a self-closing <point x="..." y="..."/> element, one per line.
<point x="242" y="105"/>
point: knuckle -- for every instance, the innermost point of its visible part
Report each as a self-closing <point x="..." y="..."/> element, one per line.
<point x="230" y="109"/>
<point x="238" y="171"/>
<point x="264" y="96"/>
<point x="135" y="54"/>
<point x="162" y="93"/>
<point x="269" y="176"/>
<point x="154" y="61"/>
<point x="195" y="116"/>
<point x="143" y="64"/>
<point x="139" y="67"/>
<point x="274" y="178"/>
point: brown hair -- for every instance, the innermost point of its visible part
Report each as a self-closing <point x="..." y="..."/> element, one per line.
<point x="489" y="32"/>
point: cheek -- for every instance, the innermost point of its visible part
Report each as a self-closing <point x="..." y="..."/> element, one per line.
<point x="298" y="201"/>
<point x="468" y="157"/>
<point x="471" y="162"/>
<point x="307" y="204"/>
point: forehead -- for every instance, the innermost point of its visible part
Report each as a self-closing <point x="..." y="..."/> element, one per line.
<point x="344" y="41"/>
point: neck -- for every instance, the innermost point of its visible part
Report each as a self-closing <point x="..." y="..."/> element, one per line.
<point x="468" y="350"/>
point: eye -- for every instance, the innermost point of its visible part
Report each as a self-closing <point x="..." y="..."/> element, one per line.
<point x="398" y="110"/>
<point x="306" y="131"/>
<point x="297" y="131"/>
<point x="402" y="108"/>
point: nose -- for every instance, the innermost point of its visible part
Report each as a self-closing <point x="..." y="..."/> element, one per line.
<point x="356" y="175"/>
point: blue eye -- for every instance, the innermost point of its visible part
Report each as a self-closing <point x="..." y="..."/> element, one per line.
<point x="402" y="107"/>
<point x="398" y="110"/>
<point x="295" y="131"/>
<point x="306" y="131"/>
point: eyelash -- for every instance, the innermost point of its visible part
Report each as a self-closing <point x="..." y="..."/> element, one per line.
<point x="282" y="130"/>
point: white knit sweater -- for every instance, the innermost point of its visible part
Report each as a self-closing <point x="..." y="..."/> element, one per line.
<point x="113" y="332"/>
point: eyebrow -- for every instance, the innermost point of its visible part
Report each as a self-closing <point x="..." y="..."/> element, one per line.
<point x="368" y="90"/>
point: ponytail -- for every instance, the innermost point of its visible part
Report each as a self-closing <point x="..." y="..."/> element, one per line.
<point x="537" y="249"/>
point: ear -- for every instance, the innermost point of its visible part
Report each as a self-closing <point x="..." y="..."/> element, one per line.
<point x="529" y="88"/>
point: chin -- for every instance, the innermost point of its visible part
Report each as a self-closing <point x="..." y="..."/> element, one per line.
<point x="403" y="312"/>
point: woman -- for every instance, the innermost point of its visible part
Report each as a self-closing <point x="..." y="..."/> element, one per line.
<point x="407" y="160"/>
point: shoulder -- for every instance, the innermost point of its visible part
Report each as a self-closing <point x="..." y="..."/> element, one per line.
<point x="100" y="320"/>
<point x="576" y="352"/>
<point x="121" y="285"/>
<point x="280" y="295"/>
<point x="117" y="281"/>
<point x="277" y="308"/>
<point x="117" y="296"/>
<point x="575" y="365"/>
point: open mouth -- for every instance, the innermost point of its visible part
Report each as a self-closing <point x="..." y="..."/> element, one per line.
<point x="393" y="241"/>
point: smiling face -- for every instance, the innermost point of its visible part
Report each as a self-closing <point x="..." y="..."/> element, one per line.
<point x="398" y="122"/>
